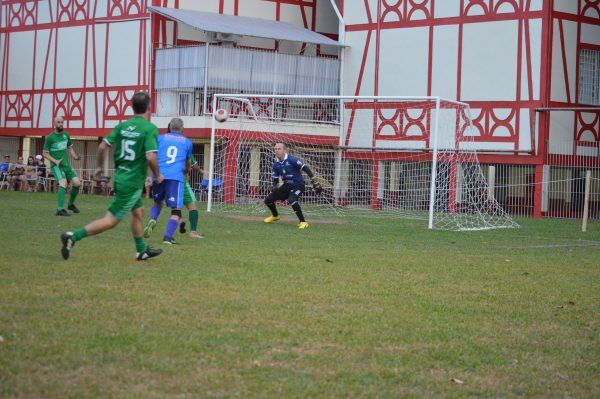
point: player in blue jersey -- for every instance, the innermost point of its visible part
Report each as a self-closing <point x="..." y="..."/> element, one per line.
<point x="289" y="168"/>
<point x="174" y="161"/>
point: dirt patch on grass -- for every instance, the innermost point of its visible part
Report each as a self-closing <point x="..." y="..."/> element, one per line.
<point x="284" y="219"/>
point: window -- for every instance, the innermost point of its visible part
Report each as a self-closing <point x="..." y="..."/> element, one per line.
<point x="589" y="77"/>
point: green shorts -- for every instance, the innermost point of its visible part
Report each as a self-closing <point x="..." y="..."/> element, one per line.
<point x="188" y="194"/>
<point x="63" y="172"/>
<point x="126" y="199"/>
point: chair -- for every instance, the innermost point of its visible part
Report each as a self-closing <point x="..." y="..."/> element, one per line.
<point x="4" y="181"/>
<point x="217" y="186"/>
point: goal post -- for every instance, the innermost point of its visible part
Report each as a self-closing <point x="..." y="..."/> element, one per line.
<point x="407" y="157"/>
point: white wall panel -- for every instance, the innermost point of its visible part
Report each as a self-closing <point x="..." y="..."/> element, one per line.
<point x="352" y="63"/>
<point x="568" y="6"/>
<point x="590" y="34"/>
<point x="122" y="67"/>
<point x="445" y="61"/>
<point x="559" y="87"/>
<point x="258" y="9"/>
<point x="46" y="113"/>
<point x="357" y="13"/>
<point x="448" y="8"/>
<point x="208" y="6"/>
<point x="326" y="20"/>
<point x="70" y="57"/>
<point x="525" y="131"/>
<point x="362" y="132"/>
<point x="403" y="62"/>
<point x="100" y="6"/>
<point x="40" y="56"/>
<point x="561" y="132"/>
<point x="90" y="111"/>
<point x="291" y="13"/>
<point x="43" y="16"/>
<point x="570" y="32"/>
<point x="489" y="61"/>
<point x="535" y="44"/>
<point x="20" y="63"/>
<point x="536" y="5"/>
<point x="100" y="35"/>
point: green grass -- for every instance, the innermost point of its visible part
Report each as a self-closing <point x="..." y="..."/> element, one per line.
<point x="365" y="308"/>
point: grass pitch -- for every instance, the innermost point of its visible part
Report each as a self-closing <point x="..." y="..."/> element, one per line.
<point x="363" y="308"/>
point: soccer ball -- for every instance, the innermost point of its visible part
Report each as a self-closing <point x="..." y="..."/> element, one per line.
<point x="221" y="115"/>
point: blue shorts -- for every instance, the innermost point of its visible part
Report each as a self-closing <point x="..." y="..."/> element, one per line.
<point x="169" y="191"/>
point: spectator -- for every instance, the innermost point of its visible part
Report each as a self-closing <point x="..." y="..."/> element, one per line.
<point x="31" y="174"/>
<point x="41" y="172"/>
<point x="4" y="167"/>
<point x="16" y="174"/>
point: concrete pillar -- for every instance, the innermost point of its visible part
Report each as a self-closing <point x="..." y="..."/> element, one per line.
<point x="254" y="182"/>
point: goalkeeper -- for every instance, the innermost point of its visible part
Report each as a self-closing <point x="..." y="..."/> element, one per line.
<point x="289" y="168"/>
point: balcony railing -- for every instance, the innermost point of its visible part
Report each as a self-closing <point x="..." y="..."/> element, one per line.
<point x="187" y="77"/>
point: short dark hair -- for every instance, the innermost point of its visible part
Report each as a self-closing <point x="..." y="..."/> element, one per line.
<point x="140" y="102"/>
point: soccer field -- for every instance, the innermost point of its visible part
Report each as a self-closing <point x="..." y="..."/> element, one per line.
<point x="360" y="308"/>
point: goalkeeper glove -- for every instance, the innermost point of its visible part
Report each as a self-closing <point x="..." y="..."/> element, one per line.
<point x="316" y="186"/>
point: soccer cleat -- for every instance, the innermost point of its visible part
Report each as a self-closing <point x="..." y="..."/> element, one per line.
<point x="149" y="227"/>
<point x="148" y="253"/>
<point x="303" y="225"/>
<point x="61" y="212"/>
<point x="271" y="219"/>
<point x="67" y="244"/>
<point x="182" y="229"/>
<point x="73" y="208"/>
<point x="169" y="241"/>
<point x="194" y="234"/>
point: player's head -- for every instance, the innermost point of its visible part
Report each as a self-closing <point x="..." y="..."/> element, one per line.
<point x="176" y="125"/>
<point x="280" y="150"/>
<point x="59" y="123"/>
<point x="140" y="102"/>
<point x="7" y="157"/>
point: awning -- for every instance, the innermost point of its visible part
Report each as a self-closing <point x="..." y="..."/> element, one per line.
<point x="244" y="26"/>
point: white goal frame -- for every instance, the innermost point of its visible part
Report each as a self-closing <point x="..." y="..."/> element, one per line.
<point x="433" y="136"/>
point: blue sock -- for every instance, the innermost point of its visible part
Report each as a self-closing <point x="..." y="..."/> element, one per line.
<point x="154" y="212"/>
<point x="171" y="226"/>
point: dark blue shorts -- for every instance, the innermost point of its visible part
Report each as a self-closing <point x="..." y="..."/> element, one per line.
<point x="169" y="191"/>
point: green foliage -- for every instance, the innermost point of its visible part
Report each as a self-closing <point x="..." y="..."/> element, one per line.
<point x="361" y="308"/>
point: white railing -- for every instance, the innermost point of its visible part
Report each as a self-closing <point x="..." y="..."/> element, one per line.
<point x="187" y="77"/>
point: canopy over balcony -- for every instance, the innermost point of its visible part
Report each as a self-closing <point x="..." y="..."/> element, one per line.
<point x="243" y="26"/>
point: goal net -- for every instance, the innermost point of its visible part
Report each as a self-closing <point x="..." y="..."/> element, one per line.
<point x="377" y="156"/>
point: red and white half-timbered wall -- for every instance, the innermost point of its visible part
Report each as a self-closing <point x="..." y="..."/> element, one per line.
<point x="78" y="59"/>
<point x="83" y="59"/>
<point x="487" y="53"/>
<point x="575" y="28"/>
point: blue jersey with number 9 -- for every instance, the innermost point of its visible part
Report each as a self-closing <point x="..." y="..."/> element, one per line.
<point x="173" y="150"/>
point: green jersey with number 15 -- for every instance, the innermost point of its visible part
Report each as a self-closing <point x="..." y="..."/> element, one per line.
<point x="132" y="139"/>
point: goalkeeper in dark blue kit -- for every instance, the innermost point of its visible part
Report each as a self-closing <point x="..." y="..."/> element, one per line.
<point x="289" y="168"/>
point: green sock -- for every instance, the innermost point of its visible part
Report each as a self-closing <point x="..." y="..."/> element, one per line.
<point x="74" y="192"/>
<point x="61" y="198"/>
<point x="140" y="245"/>
<point x="193" y="220"/>
<point x="79" y="234"/>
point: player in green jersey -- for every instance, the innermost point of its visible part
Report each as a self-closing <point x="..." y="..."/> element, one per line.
<point x="56" y="145"/>
<point x="135" y="142"/>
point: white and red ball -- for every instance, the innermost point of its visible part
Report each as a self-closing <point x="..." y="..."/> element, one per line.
<point x="221" y="115"/>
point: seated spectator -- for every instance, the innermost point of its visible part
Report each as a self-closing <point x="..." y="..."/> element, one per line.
<point x="41" y="172"/>
<point x="4" y="166"/>
<point x="16" y="175"/>
<point x="31" y="174"/>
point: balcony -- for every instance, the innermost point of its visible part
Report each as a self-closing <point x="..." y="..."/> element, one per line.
<point x="187" y="77"/>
